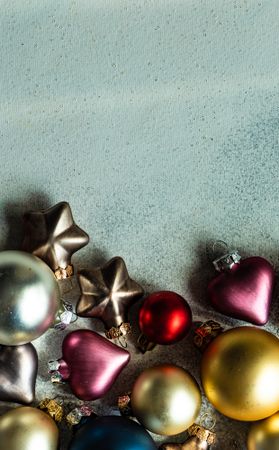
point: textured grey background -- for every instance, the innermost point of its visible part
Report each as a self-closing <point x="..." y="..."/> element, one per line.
<point x="158" y="122"/>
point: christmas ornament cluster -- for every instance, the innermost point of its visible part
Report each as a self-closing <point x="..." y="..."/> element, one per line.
<point x="239" y="366"/>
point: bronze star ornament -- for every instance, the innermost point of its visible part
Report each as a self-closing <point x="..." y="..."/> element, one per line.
<point x="107" y="292"/>
<point x="200" y="439"/>
<point x="53" y="236"/>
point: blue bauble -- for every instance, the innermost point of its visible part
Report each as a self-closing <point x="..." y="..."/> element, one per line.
<point x="112" y="433"/>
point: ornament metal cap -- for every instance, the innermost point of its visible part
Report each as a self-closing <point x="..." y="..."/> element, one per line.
<point x="120" y="333"/>
<point x="144" y="345"/>
<point x="65" y="316"/>
<point x="53" y="370"/>
<point x="227" y="261"/>
<point x="63" y="273"/>
<point x="76" y="415"/>
<point x="205" y="333"/>
<point x="202" y="433"/>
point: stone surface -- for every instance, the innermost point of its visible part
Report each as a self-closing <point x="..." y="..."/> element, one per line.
<point x="158" y="122"/>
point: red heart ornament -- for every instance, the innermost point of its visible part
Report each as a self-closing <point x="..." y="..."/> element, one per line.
<point x="244" y="291"/>
<point x="91" y="363"/>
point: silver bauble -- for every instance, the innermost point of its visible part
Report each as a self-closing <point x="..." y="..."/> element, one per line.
<point x="29" y="297"/>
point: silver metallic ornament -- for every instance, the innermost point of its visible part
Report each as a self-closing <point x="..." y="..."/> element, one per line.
<point x="53" y="236"/>
<point x="29" y="297"/>
<point x="18" y="371"/>
<point x="107" y="293"/>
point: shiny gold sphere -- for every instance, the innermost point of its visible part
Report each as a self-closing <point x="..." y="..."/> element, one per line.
<point x="240" y="373"/>
<point x="264" y="435"/>
<point x="166" y="399"/>
<point x="27" y="428"/>
<point x="29" y="297"/>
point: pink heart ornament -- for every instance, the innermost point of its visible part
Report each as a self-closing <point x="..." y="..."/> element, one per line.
<point x="245" y="291"/>
<point x="90" y="363"/>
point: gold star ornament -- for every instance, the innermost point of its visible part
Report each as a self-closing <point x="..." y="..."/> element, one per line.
<point x="200" y="439"/>
<point x="53" y="236"/>
<point x="107" y="293"/>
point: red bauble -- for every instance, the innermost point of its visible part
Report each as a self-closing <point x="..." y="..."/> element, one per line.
<point x="165" y="317"/>
<point x="245" y="290"/>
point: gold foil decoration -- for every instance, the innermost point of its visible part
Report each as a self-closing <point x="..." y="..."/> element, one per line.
<point x="205" y="333"/>
<point x="52" y="408"/>
<point x="202" y="434"/>
<point x="119" y="333"/>
<point x="124" y="405"/>
<point x="61" y="273"/>
<point x="200" y="439"/>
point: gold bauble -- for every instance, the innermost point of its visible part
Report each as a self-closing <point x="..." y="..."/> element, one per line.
<point x="264" y="435"/>
<point x="240" y="373"/>
<point x="166" y="399"/>
<point x="27" y="428"/>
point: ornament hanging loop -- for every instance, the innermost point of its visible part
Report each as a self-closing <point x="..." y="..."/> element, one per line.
<point x="67" y="283"/>
<point x="210" y="423"/>
<point x="120" y="333"/>
<point x="216" y="248"/>
<point x="222" y="257"/>
<point x="220" y="246"/>
<point x="123" y="341"/>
